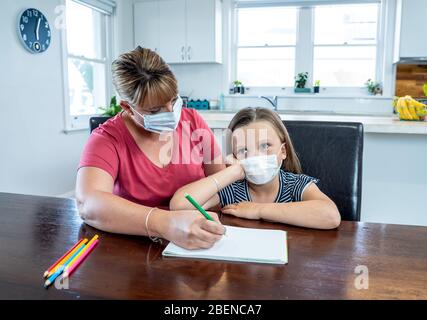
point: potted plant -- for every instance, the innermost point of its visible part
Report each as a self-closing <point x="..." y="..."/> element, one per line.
<point x="316" y="87"/>
<point x="300" y="81"/>
<point x="373" y="87"/>
<point x="108" y="112"/>
<point x="238" y="87"/>
<point x="113" y="109"/>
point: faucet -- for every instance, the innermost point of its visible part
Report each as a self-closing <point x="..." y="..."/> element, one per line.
<point x="273" y="101"/>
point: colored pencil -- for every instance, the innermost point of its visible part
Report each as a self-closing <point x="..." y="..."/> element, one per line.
<point x="200" y="209"/>
<point x="51" y="272"/>
<point x="61" y="268"/>
<point x="86" y="247"/>
<point x="60" y="259"/>
<point x="73" y="266"/>
<point x="94" y="238"/>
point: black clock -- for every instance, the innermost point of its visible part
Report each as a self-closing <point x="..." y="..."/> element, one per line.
<point x="34" y="30"/>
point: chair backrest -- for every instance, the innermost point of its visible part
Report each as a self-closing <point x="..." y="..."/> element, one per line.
<point x="333" y="153"/>
<point x="94" y="122"/>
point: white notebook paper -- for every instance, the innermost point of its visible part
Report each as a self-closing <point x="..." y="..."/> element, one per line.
<point x="240" y="244"/>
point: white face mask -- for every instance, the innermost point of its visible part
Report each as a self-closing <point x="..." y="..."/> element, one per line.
<point x="163" y="121"/>
<point x="261" y="169"/>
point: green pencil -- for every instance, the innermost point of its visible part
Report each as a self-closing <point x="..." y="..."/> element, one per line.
<point x="198" y="207"/>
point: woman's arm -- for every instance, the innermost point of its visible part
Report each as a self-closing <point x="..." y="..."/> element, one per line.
<point x="205" y="191"/>
<point x="101" y="209"/>
<point x="315" y="211"/>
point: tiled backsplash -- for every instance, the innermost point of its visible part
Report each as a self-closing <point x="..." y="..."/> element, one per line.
<point x="410" y="79"/>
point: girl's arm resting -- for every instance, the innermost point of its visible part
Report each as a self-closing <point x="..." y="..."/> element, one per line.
<point x="205" y="191"/>
<point x="315" y="211"/>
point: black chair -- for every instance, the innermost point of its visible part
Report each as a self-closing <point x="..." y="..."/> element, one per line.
<point x="333" y="153"/>
<point x="95" y="122"/>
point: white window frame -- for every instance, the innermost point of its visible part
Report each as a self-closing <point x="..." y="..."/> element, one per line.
<point x="304" y="52"/>
<point x="81" y="122"/>
<point x="235" y="49"/>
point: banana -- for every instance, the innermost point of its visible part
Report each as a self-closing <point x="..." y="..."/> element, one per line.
<point x="395" y="99"/>
<point x="404" y="109"/>
<point x="399" y="108"/>
<point x="419" y="108"/>
<point x="414" y="102"/>
<point x="416" y="107"/>
<point x="409" y="109"/>
<point x="414" y="115"/>
<point x="422" y="112"/>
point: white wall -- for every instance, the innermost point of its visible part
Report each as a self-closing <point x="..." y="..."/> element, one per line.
<point x="200" y="81"/>
<point x="123" y="27"/>
<point x="36" y="156"/>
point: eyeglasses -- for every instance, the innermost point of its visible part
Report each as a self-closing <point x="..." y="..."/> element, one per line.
<point x="175" y="102"/>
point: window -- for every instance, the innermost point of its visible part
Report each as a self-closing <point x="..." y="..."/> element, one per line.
<point x="345" y="44"/>
<point x="266" y="46"/>
<point x="336" y="44"/>
<point x="87" y="62"/>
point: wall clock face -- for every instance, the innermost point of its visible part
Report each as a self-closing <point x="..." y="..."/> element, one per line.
<point x="34" y="30"/>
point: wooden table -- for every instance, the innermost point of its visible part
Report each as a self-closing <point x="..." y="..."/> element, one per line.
<point x="35" y="231"/>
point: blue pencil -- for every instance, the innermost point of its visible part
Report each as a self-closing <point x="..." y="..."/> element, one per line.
<point x="61" y="268"/>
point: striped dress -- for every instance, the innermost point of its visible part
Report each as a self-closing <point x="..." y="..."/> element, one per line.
<point x="291" y="188"/>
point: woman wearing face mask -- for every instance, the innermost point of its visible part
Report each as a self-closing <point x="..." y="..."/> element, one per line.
<point x="132" y="164"/>
<point x="265" y="179"/>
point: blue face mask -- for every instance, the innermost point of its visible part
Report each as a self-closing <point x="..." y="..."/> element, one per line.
<point x="161" y="122"/>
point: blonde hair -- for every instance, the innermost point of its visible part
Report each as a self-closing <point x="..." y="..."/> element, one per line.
<point x="249" y="115"/>
<point x="141" y="75"/>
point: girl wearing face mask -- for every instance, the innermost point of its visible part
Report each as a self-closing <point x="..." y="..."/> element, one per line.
<point x="264" y="180"/>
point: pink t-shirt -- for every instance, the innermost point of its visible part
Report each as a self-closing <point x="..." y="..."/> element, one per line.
<point x="112" y="148"/>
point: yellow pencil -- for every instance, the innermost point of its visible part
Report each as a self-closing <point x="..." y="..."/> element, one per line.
<point x="60" y="259"/>
<point x="81" y="252"/>
<point x="66" y="258"/>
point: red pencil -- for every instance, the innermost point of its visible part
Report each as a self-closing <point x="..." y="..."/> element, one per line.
<point x="69" y="269"/>
<point x="59" y="260"/>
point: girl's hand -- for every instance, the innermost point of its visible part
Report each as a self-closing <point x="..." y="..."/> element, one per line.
<point x="189" y="229"/>
<point x="230" y="160"/>
<point x="247" y="210"/>
<point x="238" y="171"/>
<point x="235" y="166"/>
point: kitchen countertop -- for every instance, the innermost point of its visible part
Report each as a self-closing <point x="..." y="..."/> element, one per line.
<point x="371" y="123"/>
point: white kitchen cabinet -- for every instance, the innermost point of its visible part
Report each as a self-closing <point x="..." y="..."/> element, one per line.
<point x="172" y="34"/>
<point x="146" y="21"/>
<point x="410" y="26"/>
<point x="204" y="31"/>
<point x="187" y="31"/>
